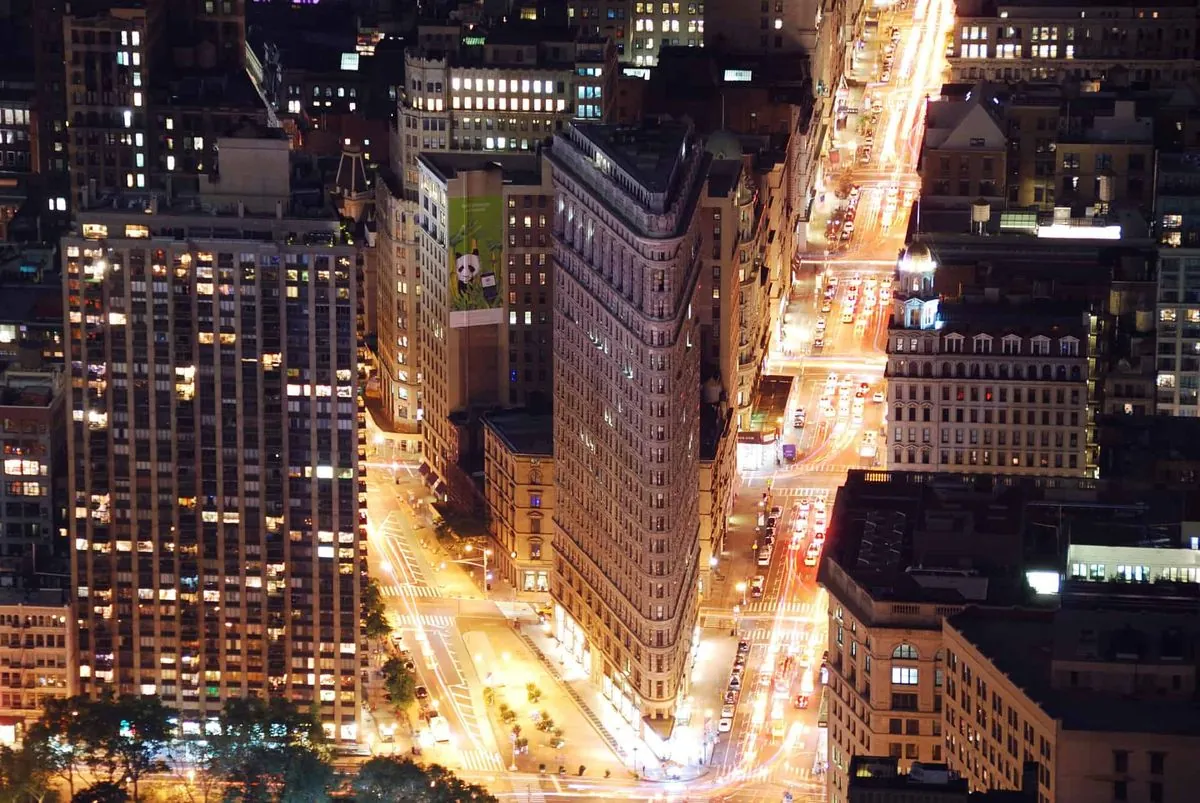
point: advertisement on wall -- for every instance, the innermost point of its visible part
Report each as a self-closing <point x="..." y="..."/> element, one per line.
<point x="476" y="233"/>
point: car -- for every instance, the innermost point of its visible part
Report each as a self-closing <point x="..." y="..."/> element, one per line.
<point x="801" y="701"/>
<point x="735" y="681"/>
<point x="731" y="697"/>
<point x="820" y="324"/>
<point x="775" y="510"/>
<point x="769" y="539"/>
<point x="826" y="307"/>
<point x="847" y="317"/>
<point x="764" y="555"/>
<point x="440" y="729"/>
<point x="854" y="191"/>
<point x="727" y="712"/>
<point x="421" y="693"/>
<point x="739" y="659"/>
<point x="877" y="397"/>
<point x="819" y="506"/>
<point x="743" y="647"/>
<point x="849" y="226"/>
<point x="805" y="505"/>
<point x="819" y="343"/>
<point x="737" y="671"/>
<point x="725" y="725"/>
<point x="757" y="585"/>
<point x="887" y="76"/>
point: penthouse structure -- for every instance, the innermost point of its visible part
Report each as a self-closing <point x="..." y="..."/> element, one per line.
<point x="217" y="512"/>
<point x="626" y="408"/>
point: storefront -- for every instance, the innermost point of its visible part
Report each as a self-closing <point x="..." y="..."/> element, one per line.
<point x="572" y="639"/>
<point x="618" y="692"/>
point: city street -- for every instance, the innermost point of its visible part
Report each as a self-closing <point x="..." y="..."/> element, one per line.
<point x="761" y="737"/>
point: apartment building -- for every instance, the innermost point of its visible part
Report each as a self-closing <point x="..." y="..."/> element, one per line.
<point x="1178" y="333"/>
<point x="1025" y="40"/>
<point x="1038" y="146"/>
<point x="626" y="408"/>
<point x="485" y="334"/>
<point x="218" y="507"/>
<point x="37" y="648"/>
<point x="640" y="30"/>
<point x="768" y="26"/>
<point x="507" y="91"/>
<point x="519" y="485"/>
<point x="996" y="385"/>
<point x="878" y="779"/>
<point x="32" y="548"/>
<point x="1177" y="200"/>
<point x="1101" y="696"/>
<point x="907" y="550"/>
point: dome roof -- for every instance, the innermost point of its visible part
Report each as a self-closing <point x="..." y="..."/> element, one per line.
<point x="724" y="145"/>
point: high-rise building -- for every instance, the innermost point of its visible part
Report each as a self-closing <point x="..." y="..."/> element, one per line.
<point x="145" y="99"/>
<point x="217" y="512"/>
<point x="483" y="243"/>
<point x="626" y="407"/>
<point x="781" y="26"/>
<point x="640" y="30"/>
<point x="508" y="95"/>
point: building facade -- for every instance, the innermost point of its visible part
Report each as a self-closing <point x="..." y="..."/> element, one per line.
<point x="626" y="417"/>
<point x="217" y="516"/>
<point x="640" y="30"/>
<point x="32" y="548"/>
<point x="1178" y="333"/>
<point x="1023" y="41"/>
<point x="991" y="387"/>
<point x="37" y="648"/>
<point x="519" y="485"/>
<point x="1096" y="700"/>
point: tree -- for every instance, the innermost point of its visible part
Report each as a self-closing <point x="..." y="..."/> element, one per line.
<point x="374" y="612"/>
<point x="102" y="792"/>
<point x="59" y="738"/>
<point x="269" y="750"/>
<point x="392" y="780"/>
<point x="399" y="681"/>
<point x="25" y="775"/>
<point x="132" y="735"/>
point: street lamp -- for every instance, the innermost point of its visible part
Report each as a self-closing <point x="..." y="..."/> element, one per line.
<point x="487" y="553"/>
<point x="741" y="589"/>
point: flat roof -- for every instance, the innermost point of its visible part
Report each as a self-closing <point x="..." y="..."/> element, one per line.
<point x="650" y="153"/>
<point x="516" y="168"/>
<point x="523" y="432"/>
<point x="1025" y="645"/>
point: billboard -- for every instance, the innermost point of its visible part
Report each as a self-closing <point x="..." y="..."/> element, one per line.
<point x="476" y="233"/>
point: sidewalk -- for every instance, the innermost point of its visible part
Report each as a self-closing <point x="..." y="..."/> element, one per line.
<point x="619" y="735"/>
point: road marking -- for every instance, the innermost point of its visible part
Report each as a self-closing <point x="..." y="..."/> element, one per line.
<point x="480" y="761"/>
<point x="430" y="621"/>
<point x="408" y="590"/>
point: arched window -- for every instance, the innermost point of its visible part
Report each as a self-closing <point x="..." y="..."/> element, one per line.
<point x="905" y="652"/>
<point x="1046" y="374"/>
<point x="927" y="369"/>
<point x="897" y="453"/>
<point x="1075" y="372"/>
<point x="1003" y="371"/>
<point x="1061" y="373"/>
<point x="960" y="370"/>
<point x="1017" y="372"/>
<point x="945" y="369"/>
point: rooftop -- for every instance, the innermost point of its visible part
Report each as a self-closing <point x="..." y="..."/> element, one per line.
<point x="1035" y="650"/>
<point x="990" y="8"/>
<point x="517" y="169"/>
<point x="1014" y="315"/>
<point x="650" y="153"/>
<point x="523" y="432"/>
<point x="43" y="598"/>
<point x="24" y="388"/>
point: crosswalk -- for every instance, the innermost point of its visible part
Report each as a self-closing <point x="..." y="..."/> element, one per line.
<point x="408" y="590"/>
<point x="481" y="761"/>
<point x="791" y="608"/>
<point x="802" y="493"/>
<point x="431" y="621"/>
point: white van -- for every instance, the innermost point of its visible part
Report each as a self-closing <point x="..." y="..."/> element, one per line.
<point x="764" y="556"/>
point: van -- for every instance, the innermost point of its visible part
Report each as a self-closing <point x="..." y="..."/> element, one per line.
<point x="764" y="556"/>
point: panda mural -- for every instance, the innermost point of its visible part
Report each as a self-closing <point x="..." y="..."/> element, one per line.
<point x="476" y="244"/>
<point x="466" y="268"/>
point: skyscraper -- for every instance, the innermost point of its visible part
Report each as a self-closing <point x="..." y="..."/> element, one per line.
<point x="626" y="407"/>
<point x="217" y="515"/>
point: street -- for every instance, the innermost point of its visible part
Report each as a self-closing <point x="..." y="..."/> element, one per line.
<point x="768" y="744"/>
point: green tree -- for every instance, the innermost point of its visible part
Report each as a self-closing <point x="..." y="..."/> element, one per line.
<point x="269" y="750"/>
<point x="399" y="681"/>
<point x="130" y="734"/>
<point x="391" y="780"/>
<point x="374" y="612"/>
<point x="25" y="775"/>
<point x="102" y="792"/>
<point x="59" y="737"/>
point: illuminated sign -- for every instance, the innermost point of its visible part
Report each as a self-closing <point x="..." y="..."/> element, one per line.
<point x="474" y="41"/>
<point x="735" y="76"/>
<point x="1059" y="231"/>
<point x="636" y="72"/>
<point x="350" y="62"/>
